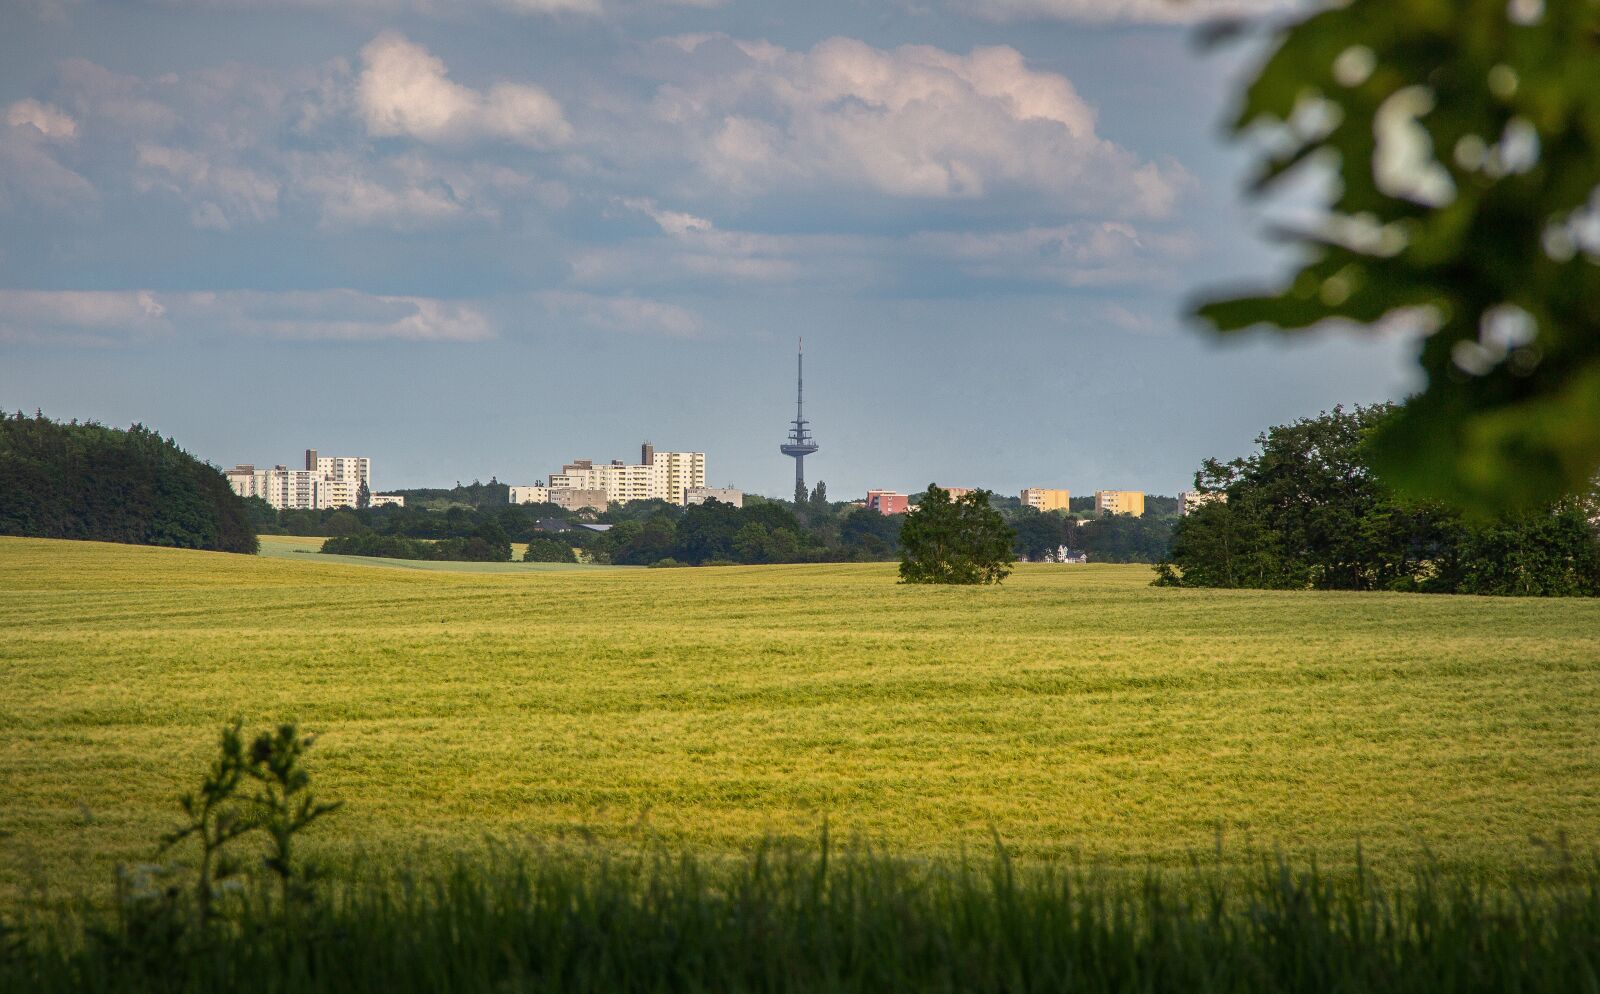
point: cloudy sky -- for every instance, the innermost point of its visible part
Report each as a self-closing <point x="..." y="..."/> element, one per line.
<point x="483" y="237"/>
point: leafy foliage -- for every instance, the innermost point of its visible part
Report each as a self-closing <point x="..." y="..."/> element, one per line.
<point x="1123" y="538"/>
<point x="487" y="543"/>
<point x="961" y="541"/>
<point x="219" y="813"/>
<point x="1465" y="136"/>
<point x="548" y="550"/>
<point x="86" y="481"/>
<point x="1308" y="511"/>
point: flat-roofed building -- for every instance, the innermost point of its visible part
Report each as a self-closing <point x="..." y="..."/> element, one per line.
<point x="1045" y="499"/>
<point x="1190" y="501"/>
<point x="327" y="481"/>
<point x="664" y="476"/>
<point x="955" y="492"/>
<point x="1119" y="502"/>
<point x="536" y="494"/>
<point x="388" y="500"/>
<point x="284" y="488"/>
<point x="722" y="495"/>
<point x="578" y="498"/>
<point x="888" y="502"/>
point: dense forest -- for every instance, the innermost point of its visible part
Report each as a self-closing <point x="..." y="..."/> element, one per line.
<point x="1307" y="511"/>
<point x="87" y="481"/>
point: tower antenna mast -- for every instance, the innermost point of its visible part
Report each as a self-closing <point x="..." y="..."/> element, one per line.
<point x="800" y="442"/>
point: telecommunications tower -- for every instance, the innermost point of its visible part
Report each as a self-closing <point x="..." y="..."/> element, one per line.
<point x="800" y="443"/>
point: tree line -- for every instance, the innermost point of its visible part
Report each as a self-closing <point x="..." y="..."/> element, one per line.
<point x="648" y="533"/>
<point x="86" y="481"/>
<point x="1308" y="511"/>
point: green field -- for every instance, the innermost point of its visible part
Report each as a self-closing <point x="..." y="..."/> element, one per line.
<point x="1074" y="710"/>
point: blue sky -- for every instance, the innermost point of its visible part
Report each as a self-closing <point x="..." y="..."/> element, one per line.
<point x="486" y="237"/>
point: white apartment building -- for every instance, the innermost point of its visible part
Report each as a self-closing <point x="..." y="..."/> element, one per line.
<point x="280" y="486"/>
<point x="537" y="494"/>
<point x="326" y="482"/>
<point x="1190" y="501"/>
<point x="725" y="495"/>
<point x="664" y="476"/>
<point x="388" y="500"/>
<point x="356" y="469"/>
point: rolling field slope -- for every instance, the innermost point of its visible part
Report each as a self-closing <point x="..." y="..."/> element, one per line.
<point x="1073" y="709"/>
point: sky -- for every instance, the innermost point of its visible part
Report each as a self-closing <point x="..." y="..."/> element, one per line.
<point x="483" y="238"/>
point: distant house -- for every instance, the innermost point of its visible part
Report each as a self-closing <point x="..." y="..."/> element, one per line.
<point x="388" y="500"/>
<point x="559" y="525"/>
<point x="1066" y="555"/>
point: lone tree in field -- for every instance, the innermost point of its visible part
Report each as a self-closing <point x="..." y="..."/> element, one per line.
<point x="955" y="541"/>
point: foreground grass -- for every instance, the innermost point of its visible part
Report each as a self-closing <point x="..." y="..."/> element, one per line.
<point x="781" y="921"/>
<point x="1074" y="710"/>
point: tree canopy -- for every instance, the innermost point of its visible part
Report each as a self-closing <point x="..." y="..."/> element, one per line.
<point x="960" y="541"/>
<point x="1307" y="511"/>
<point x="87" y="481"/>
<point x="1464" y="136"/>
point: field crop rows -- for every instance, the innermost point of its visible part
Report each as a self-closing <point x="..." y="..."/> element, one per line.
<point x="1073" y="710"/>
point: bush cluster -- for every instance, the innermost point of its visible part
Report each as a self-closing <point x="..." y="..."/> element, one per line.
<point x="487" y="544"/>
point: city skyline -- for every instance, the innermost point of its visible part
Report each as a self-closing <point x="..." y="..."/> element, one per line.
<point x="472" y="245"/>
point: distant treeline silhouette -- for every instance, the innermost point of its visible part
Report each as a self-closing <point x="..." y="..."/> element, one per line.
<point x="87" y="481"/>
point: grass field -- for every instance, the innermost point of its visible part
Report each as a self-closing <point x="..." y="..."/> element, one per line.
<point x="1074" y="710"/>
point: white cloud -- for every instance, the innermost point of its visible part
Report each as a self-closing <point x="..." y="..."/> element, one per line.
<point x="413" y="191"/>
<point x="1110" y="11"/>
<point x="1083" y="254"/>
<point x="49" y="121"/>
<point x="912" y="122"/>
<point x="634" y="315"/>
<point x="112" y="317"/>
<point x="403" y="91"/>
<point x="229" y="191"/>
<point x="31" y="170"/>
<point x="693" y="250"/>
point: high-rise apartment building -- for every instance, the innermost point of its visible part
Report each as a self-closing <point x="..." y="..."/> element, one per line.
<point x="1044" y="499"/>
<point x="1119" y="502"/>
<point x="325" y="482"/>
<point x="658" y="476"/>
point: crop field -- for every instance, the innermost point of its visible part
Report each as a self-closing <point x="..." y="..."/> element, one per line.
<point x="1075" y="711"/>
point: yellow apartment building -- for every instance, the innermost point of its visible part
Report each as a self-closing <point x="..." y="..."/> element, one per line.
<point x="1045" y="499"/>
<point x="1119" y="502"/>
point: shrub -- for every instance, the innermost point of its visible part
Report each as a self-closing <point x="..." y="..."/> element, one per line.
<point x="548" y="550"/>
